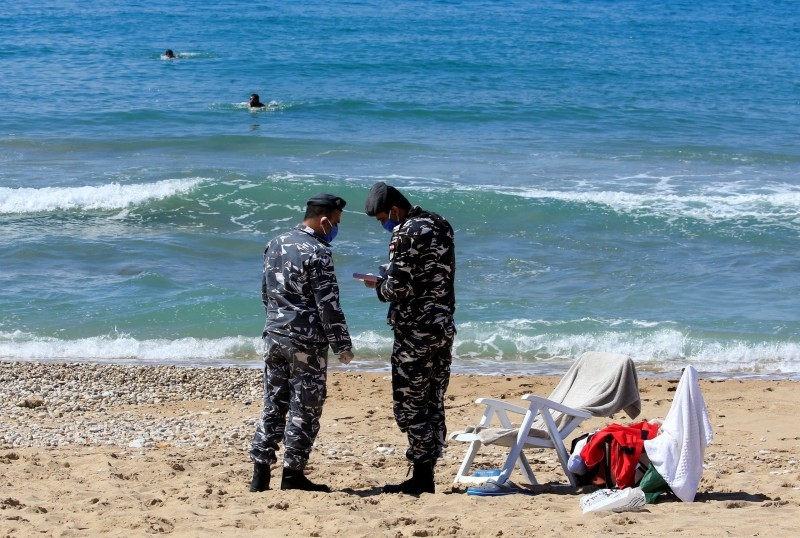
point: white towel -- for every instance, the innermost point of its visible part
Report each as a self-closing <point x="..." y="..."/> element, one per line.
<point x="677" y="452"/>
<point x="598" y="383"/>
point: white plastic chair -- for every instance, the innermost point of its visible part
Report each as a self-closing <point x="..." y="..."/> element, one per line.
<point x="597" y="384"/>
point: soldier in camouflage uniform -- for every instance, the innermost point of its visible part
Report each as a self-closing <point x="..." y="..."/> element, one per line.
<point x="418" y="284"/>
<point x="304" y="318"/>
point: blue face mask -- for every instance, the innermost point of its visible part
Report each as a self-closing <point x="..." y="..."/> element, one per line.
<point x="329" y="237"/>
<point x="389" y="224"/>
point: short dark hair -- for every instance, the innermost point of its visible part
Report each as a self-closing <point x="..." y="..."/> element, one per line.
<point x="317" y="210"/>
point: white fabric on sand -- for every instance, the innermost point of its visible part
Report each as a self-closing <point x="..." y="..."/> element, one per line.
<point x="677" y="452"/>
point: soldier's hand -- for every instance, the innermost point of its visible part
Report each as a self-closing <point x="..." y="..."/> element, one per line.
<point x="346" y="357"/>
<point x="375" y="284"/>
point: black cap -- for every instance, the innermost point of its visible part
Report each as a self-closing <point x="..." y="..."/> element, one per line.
<point x="383" y="197"/>
<point x="327" y="200"/>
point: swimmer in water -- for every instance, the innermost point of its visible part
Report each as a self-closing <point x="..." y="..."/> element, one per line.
<point x="170" y="55"/>
<point x="255" y="102"/>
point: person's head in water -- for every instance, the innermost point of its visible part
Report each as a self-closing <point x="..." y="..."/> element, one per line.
<point x="169" y="54"/>
<point x="255" y="102"/>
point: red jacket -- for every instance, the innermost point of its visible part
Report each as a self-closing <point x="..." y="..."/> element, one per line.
<point x="625" y="445"/>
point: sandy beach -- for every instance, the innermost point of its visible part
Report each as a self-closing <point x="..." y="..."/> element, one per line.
<point x="98" y="450"/>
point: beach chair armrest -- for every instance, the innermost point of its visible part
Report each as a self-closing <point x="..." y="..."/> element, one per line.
<point x="544" y="403"/>
<point x="501" y="405"/>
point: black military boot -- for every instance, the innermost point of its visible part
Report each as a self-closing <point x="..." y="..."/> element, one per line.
<point x="297" y="480"/>
<point x="421" y="481"/>
<point x="260" y="480"/>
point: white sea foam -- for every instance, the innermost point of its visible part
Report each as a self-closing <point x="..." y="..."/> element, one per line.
<point x="762" y="206"/>
<point x="94" y="197"/>
<point x="479" y="348"/>
<point x="660" y="197"/>
<point x="123" y="348"/>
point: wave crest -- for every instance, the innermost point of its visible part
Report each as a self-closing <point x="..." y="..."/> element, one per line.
<point x="112" y="196"/>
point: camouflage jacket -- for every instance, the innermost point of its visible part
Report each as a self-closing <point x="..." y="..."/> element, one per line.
<point x="300" y="291"/>
<point x="419" y="279"/>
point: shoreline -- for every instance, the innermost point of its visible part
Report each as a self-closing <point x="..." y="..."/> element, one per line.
<point x="135" y="451"/>
<point x="365" y="367"/>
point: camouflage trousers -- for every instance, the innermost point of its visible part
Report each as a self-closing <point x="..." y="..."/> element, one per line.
<point x="420" y="376"/>
<point x="294" y="392"/>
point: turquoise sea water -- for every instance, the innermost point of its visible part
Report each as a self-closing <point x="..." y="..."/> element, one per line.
<point x="621" y="176"/>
